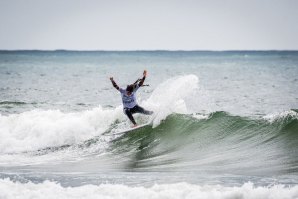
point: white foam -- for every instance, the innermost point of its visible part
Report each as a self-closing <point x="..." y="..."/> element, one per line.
<point x="48" y="190"/>
<point x="38" y="129"/>
<point x="201" y="116"/>
<point x="169" y="97"/>
<point x="280" y="116"/>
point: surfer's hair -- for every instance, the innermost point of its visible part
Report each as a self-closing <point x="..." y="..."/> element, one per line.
<point x="129" y="88"/>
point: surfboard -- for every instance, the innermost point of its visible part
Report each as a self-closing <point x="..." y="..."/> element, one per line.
<point x="132" y="129"/>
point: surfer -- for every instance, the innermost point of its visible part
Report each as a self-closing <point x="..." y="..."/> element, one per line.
<point x="128" y="96"/>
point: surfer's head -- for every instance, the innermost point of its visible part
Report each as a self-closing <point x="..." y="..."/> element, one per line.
<point x="129" y="89"/>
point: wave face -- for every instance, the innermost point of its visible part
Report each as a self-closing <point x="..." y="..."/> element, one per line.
<point x="220" y="143"/>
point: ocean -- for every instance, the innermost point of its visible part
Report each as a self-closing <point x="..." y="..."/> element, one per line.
<point x="225" y="125"/>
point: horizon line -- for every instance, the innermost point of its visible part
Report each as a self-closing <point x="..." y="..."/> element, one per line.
<point x="146" y="50"/>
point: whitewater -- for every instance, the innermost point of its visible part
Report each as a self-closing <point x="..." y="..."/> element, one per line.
<point x="225" y="125"/>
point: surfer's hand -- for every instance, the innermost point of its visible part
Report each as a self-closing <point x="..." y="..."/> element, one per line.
<point x="111" y="78"/>
<point x="145" y="73"/>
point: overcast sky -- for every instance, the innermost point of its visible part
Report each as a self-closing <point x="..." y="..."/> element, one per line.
<point x="149" y="24"/>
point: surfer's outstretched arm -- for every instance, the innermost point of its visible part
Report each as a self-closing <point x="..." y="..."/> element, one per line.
<point x="114" y="83"/>
<point x="143" y="79"/>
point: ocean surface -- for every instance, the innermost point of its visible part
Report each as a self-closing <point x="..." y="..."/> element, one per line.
<point x="225" y="125"/>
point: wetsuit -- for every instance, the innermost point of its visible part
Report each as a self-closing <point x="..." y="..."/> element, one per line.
<point x="130" y="105"/>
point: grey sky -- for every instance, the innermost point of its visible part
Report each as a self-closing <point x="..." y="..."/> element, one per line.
<point x="149" y="24"/>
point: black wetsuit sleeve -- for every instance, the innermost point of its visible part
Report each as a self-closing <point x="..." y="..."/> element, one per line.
<point x="115" y="85"/>
<point x="142" y="81"/>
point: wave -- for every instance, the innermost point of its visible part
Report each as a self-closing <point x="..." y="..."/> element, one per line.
<point x="179" y="140"/>
<point x="12" y="189"/>
<point x="221" y="142"/>
<point x="218" y="142"/>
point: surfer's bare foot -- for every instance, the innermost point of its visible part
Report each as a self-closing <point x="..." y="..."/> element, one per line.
<point x="135" y="125"/>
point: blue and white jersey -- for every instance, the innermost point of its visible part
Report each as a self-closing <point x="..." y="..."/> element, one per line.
<point x="129" y="101"/>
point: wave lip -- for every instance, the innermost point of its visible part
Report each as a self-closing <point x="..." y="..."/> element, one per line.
<point x="12" y="189"/>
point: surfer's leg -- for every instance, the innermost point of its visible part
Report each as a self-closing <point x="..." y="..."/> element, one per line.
<point x="140" y="109"/>
<point x="129" y="115"/>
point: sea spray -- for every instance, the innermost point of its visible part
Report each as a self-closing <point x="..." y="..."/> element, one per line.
<point x="169" y="97"/>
